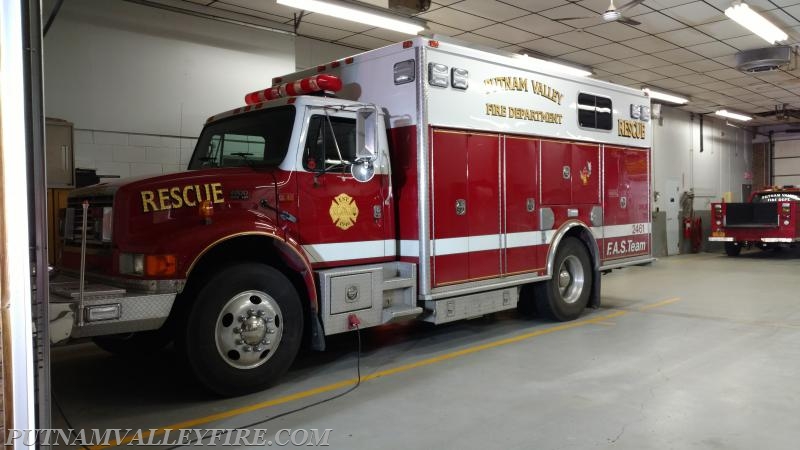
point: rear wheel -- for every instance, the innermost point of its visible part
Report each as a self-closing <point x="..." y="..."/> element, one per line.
<point x="566" y="295"/>
<point x="244" y="329"/>
<point x="732" y="249"/>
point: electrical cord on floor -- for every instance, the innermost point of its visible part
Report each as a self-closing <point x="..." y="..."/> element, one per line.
<point x="64" y="415"/>
<point x="302" y="408"/>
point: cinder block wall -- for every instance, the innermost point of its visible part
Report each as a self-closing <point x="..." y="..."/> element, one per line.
<point x="131" y="154"/>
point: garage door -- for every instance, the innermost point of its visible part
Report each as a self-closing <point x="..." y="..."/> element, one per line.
<point x="786" y="163"/>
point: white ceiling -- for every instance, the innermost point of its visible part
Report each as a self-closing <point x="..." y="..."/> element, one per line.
<point x="684" y="46"/>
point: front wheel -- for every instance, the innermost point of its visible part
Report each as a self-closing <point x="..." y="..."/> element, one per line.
<point x="244" y="329"/>
<point x="566" y="295"/>
<point x="732" y="249"/>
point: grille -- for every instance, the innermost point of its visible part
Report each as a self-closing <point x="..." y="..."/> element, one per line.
<point x="98" y="222"/>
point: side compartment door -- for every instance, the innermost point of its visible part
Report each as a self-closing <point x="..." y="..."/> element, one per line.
<point x="449" y="206"/>
<point x="523" y="239"/>
<point x="585" y="174"/>
<point x="556" y="173"/>
<point x="483" y="205"/>
<point x="626" y="207"/>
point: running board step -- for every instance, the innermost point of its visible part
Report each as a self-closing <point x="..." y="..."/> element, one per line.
<point x="400" y="312"/>
<point x="470" y="306"/>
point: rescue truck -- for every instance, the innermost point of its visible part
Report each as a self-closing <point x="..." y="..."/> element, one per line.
<point x="424" y="180"/>
<point x="767" y="221"/>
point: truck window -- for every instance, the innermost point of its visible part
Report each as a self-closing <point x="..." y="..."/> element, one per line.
<point x="259" y="138"/>
<point x="321" y="153"/>
<point x="594" y="112"/>
<point x="777" y="197"/>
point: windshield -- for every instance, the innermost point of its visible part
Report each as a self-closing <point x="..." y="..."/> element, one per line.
<point x="777" y="197"/>
<point x="259" y="138"/>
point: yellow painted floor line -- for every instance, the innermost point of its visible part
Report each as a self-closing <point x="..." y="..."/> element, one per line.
<point x="383" y="373"/>
<point x="660" y="304"/>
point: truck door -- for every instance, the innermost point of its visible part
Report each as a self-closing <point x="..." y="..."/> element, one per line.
<point x="626" y="203"/>
<point x="340" y="218"/>
<point x="523" y="241"/>
<point x="465" y="206"/>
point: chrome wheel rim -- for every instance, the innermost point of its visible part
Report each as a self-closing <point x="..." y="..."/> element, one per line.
<point x="571" y="279"/>
<point x="249" y="329"/>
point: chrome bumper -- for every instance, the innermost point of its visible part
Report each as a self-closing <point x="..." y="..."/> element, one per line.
<point x="105" y="310"/>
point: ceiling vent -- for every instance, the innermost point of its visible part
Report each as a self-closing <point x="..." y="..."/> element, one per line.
<point x="409" y="7"/>
<point x="763" y="59"/>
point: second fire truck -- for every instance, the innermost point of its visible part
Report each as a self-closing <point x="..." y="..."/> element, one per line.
<point x="424" y="180"/>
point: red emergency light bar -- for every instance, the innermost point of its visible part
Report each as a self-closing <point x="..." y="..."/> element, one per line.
<point x="317" y="83"/>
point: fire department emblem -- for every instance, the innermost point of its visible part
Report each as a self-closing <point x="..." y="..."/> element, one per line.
<point x="344" y="211"/>
<point x="586" y="173"/>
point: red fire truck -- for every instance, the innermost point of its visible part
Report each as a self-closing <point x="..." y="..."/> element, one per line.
<point x="421" y="180"/>
<point x="767" y="221"/>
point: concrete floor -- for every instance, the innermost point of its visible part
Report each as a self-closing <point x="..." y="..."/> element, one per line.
<point x="703" y="352"/>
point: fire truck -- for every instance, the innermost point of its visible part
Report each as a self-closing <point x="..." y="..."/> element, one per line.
<point x="424" y="180"/>
<point x="767" y="221"/>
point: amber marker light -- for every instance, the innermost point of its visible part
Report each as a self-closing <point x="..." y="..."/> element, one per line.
<point x="160" y="265"/>
<point x="206" y="210"/>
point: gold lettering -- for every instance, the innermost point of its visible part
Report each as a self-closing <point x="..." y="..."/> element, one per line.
<point x="148" y="199"/>
<point x="163" y="198"/>
<point x="186" y="190"/>
<point x="197" y="191"/>
<point x="175" y="193"/>
<point x="208" y="191"/>
<point x="628" y="128"/>
<point x="217" y="189"/>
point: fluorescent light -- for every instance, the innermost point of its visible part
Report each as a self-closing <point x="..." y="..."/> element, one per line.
<point x="734" y="116"/>
<point x="665" y="97"/>
<point x="755" y="22"/>
<point x="355" y="14"/>
<point x="551" y="66"/>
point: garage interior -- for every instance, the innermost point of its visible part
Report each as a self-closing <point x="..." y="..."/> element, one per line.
<point x="693" y="350"/>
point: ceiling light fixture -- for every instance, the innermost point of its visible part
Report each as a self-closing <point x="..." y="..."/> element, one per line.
<point x="551" y="66"/>
<point x="731" y="115"/>
<point x="755" y="22"/>
<point x="358" y="14"/>
<point x="656" y="95"/>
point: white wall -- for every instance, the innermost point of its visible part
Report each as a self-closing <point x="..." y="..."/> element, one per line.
<point x="134" y="79"/>
<point x="727" y="154"/>
<point x="311" y="52"/>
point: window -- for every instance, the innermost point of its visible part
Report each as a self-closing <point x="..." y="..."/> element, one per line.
<point x="255" y="139"/>
<point x="330" y="143"/>
<point x="594" y="112"/>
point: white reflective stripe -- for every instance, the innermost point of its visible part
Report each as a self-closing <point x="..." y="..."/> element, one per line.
<point x="612" y="231"/>
<point x="485" y="242"/>
<point x="449" y="246"/>
<point x="524" y="239"/>
<point x="409" y="248"/>
<point x="597" y="232"/>
<point x="342" y="251"/>
<point x="720" y="239"/>
<point x="549" y="235"/>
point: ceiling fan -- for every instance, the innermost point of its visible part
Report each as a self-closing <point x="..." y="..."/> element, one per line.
<point x="612" y="14"/>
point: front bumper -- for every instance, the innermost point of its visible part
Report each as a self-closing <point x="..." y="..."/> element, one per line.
<point x="105" y="309"/>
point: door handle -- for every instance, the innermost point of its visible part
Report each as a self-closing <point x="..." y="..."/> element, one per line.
<point x="461" y="207"/>
<point x="623" y="202"/>
<point x="566" y="172"/>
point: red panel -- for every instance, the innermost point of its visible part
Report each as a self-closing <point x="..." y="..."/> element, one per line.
<point x="637" y="185"/>
<point x="449" y="179"/>
<point x="585" y="174"/>
<point x="521" y="183"/>
<point x="556" y="190"/>
<point x="613" y="161"/>
<point x="483" y="202"/>
<point x="403" y="148"/>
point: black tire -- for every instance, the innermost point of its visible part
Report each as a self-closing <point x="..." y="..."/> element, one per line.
<point x="732" y="249"/>
<point x="565" y="296"/>
<point x="135" y="344"/>
<point x="230" y="368"/>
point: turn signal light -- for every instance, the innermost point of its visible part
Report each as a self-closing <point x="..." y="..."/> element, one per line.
<point x="160" y="265"/>
<point x="206" y="209"/>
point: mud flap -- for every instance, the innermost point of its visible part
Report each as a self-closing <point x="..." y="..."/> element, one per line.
<point x="594" y="296"/>
<point x="317" y="334"/>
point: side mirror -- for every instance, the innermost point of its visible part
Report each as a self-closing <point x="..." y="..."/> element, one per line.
<point x="367" y="134"/>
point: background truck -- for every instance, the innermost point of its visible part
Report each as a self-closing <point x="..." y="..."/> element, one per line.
<point x="767" y="221"/>
<point x="424" y="180"/>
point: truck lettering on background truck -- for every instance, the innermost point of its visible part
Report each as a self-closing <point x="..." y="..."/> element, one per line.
<point x="423" y="180"/>
<point x="767" y="221"/>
